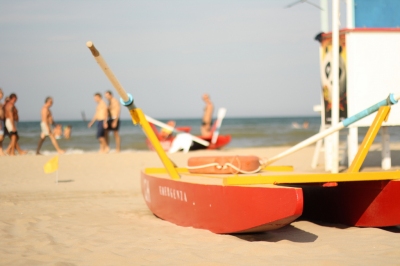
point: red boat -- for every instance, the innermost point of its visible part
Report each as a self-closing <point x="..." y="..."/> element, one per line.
<point x="166" y="143"/>
<point x="205" y="203"/>
<point x="258" y="202"/>
<point x="251" y="203"/>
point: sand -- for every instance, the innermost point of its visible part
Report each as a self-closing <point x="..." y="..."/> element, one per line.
<point x="95" y="215"/>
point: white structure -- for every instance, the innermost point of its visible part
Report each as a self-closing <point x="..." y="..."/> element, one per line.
<point x="373" y="67"/>
<point x="371" y="62"/>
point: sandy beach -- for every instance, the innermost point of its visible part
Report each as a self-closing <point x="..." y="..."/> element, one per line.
<point x="95" y="215"/>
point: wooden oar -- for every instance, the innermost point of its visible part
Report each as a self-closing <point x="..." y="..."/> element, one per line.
<point x="163" y="125"/>
<point x="220" y="117"/>
<point x="390" y="100"/>
<point x="137" y="115"/>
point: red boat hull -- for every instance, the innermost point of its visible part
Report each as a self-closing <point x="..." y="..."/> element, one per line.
<point x="363" y="203"/>
<point x="222" y="209"/>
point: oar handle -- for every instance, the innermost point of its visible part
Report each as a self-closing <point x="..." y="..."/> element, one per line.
<point x="126" y="99"/>
<point x="390" y="100"/>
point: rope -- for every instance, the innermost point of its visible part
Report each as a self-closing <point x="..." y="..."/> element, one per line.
<point x="204" y="166"/>
<point x="231" y="165"/>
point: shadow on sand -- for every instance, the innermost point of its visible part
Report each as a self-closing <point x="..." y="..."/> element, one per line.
<point x="393" y="229"/>
<point x="293" y="234"/>
<point x="66" y="181"/>
<point x="288" y="232"/>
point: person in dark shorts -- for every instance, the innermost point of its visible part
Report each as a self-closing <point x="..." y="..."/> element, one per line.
<point x="114" y="111"/>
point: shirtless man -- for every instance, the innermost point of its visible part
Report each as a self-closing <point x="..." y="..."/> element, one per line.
<point x="11" y="118"/>
<point x="45" y="125"/>
<point x="114" y="111"/>
<point x="207" y="117"/>
<point x="101" y="116"/>
<point x="2" y="129"/>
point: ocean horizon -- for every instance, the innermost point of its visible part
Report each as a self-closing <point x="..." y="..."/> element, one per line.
<point x="245" y="132"/>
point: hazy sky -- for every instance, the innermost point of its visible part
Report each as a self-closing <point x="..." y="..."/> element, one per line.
<point x="254" y="57"/>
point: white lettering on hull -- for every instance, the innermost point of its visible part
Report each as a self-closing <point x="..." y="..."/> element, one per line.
<point x="172" y="193"/>
<point x="146" y="190"/>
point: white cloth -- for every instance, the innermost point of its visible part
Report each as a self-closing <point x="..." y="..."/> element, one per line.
<point x="9" y="125"/>
<point x="182" y="141"/>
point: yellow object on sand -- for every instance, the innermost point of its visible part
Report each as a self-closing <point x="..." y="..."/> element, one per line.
<point x="51" y="166"/>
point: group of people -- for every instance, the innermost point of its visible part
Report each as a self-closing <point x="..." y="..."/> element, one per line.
<point x="107" y="119"/>
<point x="8" y="125"/>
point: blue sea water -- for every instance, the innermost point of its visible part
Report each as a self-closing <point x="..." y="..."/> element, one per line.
<point x="245" y="132"/>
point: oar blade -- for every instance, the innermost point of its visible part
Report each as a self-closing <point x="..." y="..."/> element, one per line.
<point x="220" y="117"/>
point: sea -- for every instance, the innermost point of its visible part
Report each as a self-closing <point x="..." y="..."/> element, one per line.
<point x="245" y="132"/>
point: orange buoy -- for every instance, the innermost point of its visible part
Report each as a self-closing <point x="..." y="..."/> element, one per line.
<point x="224" y="164"/>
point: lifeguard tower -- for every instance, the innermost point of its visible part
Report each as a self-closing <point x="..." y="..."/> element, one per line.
<point x="369" y="69"/>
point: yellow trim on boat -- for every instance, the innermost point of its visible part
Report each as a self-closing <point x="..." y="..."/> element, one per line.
<point x="310" y="178"/>
<point x="278" y="168"/>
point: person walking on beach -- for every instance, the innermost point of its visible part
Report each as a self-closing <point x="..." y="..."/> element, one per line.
<point x="45" y="125"/>
<point x="114" y="111"/>
<point x="101" y="116"/>
<point x="2" y="128"/>
<point x="11" y="119"/>
<point x="207" y="117"/>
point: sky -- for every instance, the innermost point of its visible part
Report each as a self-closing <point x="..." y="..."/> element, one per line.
<point x="254" y="57"/>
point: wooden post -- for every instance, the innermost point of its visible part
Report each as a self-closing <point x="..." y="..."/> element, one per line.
<point x="352" y="144"/>
<point x="386" y="158"/>
<point x="335" y="84"/>
<point x="324" y="16"/>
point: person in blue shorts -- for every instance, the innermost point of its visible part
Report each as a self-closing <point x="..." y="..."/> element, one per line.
<point x="100" y="117"/>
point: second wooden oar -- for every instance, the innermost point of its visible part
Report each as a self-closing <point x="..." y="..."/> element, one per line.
<point x="163" y="125"/>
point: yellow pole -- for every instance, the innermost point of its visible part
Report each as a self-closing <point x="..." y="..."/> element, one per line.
<point x="168" y="164"/>
<point x="381" y="116"/>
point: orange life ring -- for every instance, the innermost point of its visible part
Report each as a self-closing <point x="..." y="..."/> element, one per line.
<point x="224" y="164"/>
